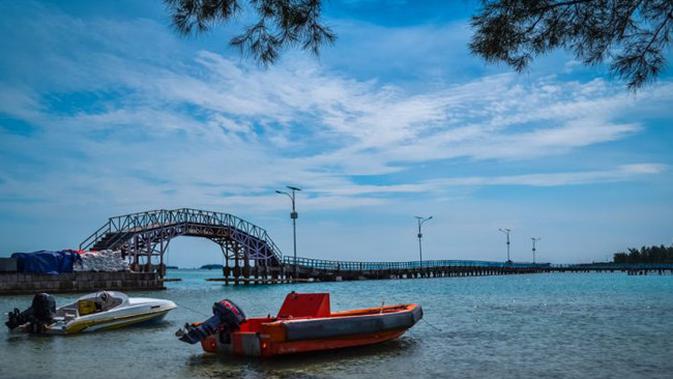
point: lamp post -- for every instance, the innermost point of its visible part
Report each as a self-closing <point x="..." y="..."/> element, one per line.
<point x="534" y="239"/>
<point x="421" y="221"/>
<point x="293" y="216"/>
<point x="507" y="231"/>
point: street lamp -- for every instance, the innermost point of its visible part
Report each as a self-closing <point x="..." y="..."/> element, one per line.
<point x="421" y="221"/>
<point x="507" y="231"/>
<point x="293" y="216"/>
<point x="534" y="239"/>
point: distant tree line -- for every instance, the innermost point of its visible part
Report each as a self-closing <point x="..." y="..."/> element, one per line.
<point x="211" y="267"/>
<point x="646" y="254"/>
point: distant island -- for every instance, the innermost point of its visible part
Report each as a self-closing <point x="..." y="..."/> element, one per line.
<point x="173" y="267"/>
<point x="211" y="267"/>
<point x="646" y="254"/>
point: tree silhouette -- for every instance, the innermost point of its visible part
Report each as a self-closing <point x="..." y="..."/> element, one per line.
<point x="646" y="254"/>
<point x="629" y="34"/>
<point x="280" y="24"/>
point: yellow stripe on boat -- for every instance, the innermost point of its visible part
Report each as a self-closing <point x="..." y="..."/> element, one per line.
<point x="115" y="322"/>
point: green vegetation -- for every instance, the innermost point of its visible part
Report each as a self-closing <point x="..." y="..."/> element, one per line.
<point x="276" y="24"/>
<point x="646" y="254"/>
<point x="631" y="36"/>
<point x="211" y="267"/>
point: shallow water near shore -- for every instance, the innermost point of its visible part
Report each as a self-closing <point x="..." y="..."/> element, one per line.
<point x="539" y="325"/>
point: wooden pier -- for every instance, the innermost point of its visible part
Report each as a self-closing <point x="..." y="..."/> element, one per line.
<point x="318" y="270"/>
<point x="628" y="268"/>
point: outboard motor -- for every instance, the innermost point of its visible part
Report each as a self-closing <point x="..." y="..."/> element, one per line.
<point x="227" y="317"/>
<point x="44" y="308"/>
<point x="40" y="314"/>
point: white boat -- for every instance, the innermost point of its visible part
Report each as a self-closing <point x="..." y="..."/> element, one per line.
<point x="95" y="311"/>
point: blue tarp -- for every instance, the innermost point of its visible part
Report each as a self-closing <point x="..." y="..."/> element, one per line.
<point x="46" y="262"/>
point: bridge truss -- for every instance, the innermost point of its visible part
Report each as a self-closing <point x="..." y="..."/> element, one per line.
<point x="145" y="236"/>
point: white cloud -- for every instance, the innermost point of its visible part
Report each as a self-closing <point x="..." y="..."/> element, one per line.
<point x="618" y="174"/>
<point x="621" y="173"/>
<point x="207" y="129"/>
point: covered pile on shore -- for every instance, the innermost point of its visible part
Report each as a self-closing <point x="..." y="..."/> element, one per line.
<point x="46" y="261"/>
<point x="65" y="261"/>
<point x="101" y="261"/>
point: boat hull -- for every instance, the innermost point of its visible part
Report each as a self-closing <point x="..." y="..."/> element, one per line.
<point x="250" y="345"/>
<point x="112" y="323"/>
<point x="335" y="343"/>
<point x="270" y="337"/>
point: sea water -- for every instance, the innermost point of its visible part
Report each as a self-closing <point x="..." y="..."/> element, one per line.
<point x="559" y="325"/>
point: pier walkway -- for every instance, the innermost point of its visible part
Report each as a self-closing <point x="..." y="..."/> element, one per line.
<point x="309" y="270"/>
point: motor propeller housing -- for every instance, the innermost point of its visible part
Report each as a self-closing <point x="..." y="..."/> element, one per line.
<point x="226" y="318"/>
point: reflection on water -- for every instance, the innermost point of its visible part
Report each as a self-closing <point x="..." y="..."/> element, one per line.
<point x="542" y="325"/>
<point x="309" y="365"/>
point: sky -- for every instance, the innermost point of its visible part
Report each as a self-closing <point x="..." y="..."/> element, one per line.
<point x="106" y="110"/>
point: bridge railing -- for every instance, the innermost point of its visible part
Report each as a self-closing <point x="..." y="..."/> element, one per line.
<point x="322" y="264"/>
<point x="95" y="236"/>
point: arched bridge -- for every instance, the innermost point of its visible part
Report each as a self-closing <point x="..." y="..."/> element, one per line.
<point x="146" y="235"/>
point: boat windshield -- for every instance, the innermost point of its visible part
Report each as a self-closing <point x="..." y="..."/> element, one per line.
<point x="94" y="303"/>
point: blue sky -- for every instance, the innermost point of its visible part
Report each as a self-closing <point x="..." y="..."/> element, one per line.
<point x="104" y="110"/>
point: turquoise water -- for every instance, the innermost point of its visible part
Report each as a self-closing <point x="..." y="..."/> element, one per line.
<point x="542" y="325"/>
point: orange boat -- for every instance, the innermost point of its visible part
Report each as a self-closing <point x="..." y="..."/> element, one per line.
<point x="304" y="323"/>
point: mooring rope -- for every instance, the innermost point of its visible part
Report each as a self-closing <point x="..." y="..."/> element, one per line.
<point x="191" y="309"/>
<point x="429" y="323"/>
<point x="395" y="299"/>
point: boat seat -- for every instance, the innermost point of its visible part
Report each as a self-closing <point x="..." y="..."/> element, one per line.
<point x="86" y="307"/>
<point x="305" y="305"/>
